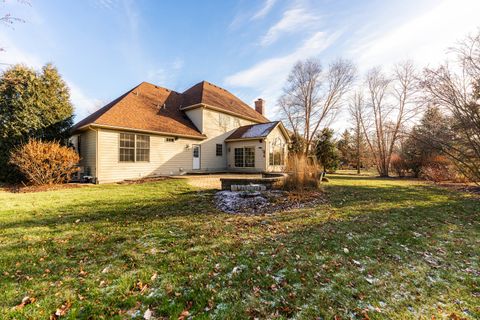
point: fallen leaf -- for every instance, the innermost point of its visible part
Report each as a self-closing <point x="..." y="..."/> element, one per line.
<point x="61" y="311"/>
<point x="148" y="314"/>
<point x="26" y="300"/>
<point x="183" y="315"/>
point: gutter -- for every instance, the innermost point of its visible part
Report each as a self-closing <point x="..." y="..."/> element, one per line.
<point x="160" y="133"/>
<point x="246" y="139"/>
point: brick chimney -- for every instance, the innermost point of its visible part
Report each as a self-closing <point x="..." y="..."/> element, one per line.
<point x="260" y="106"/>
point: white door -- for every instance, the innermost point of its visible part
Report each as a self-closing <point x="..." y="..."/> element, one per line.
<point x="196" y="157"/>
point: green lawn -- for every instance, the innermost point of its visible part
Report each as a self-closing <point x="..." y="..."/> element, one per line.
<point x="381" y="249"/>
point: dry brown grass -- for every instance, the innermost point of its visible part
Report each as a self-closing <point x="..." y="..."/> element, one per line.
<point x="303" y="173"/>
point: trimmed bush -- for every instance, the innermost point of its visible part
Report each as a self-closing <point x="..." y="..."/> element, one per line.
<point x="45" y="162"/>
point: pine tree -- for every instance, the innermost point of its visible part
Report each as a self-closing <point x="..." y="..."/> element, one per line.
<point x="346" y="148"/>
<point x="326" y="150"/>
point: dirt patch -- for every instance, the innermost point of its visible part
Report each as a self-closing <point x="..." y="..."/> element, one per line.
<point x="265" y="202"/>
<point x="17" y="188"/>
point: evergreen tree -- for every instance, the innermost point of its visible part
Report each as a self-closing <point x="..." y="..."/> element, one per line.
<point x="297" y="145"/>
<point x="32" y="105"/>
<point x="326" y="150"/>
<point x="346" y="148"/>
<point x="427" y="140"/>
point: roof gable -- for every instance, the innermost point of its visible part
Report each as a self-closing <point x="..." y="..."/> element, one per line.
<point x="212" y="95"/>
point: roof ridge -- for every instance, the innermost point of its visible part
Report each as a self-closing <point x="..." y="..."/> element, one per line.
<point x="158" y="87"/>
<point x="202" y="89"/>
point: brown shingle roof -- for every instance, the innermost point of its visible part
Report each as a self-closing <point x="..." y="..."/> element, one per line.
<point x="151" y="108"/>
<point x="212" y="95"/>
<point x="146" y="107"/>
<point x="253" y="131"/>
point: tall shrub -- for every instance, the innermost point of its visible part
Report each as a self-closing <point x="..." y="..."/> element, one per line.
<point x="45" y="162"/>
<point x="33" y="104"/>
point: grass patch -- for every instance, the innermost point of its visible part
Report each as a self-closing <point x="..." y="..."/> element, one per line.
<point x="386" y="248"/>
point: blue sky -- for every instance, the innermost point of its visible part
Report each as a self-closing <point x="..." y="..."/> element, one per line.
<point x="105" y="47"/>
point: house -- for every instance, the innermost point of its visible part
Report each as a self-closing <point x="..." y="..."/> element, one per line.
<point x="152" y="131"/>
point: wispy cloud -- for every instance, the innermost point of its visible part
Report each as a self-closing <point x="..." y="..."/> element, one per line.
<point x="84" y="105"/>
<point x="105" y="4"/>
<point x="424" y="38"/>
<point x="166" y="75"/>
<point x="267" y="7"/>
<point x="267" y="77"/>
<point x="293" y="20"/>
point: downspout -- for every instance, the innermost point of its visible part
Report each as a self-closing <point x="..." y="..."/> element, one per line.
<point x="96" y="154"/>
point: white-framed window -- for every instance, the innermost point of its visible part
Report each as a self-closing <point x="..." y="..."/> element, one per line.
<point x="276" y="156"/>
<point x="244" y="157"/>
<point x="142" y="148"/>
<point x="134" y="147"/>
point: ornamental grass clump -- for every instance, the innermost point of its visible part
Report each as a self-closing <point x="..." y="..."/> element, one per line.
<point x="45" y="163"/>
<point x="303" y="173"/>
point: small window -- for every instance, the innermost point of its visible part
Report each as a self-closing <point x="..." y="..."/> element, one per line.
<point x="219" y="150"/>
<point x="142" y="148"/>
<point x="169" y="139"/>
<point x="127" y="147"/>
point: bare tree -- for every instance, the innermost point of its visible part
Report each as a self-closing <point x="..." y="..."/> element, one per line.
<point x="458" y="93"/>
<point x="356" y="110"/>
<point x="8" y="19"/>
<point x="391" y="103"/>
<point x="312" y="96"/>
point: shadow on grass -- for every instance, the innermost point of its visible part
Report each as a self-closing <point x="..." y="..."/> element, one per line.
<point x="283" y="271"/>
<point x="180" y="204"/>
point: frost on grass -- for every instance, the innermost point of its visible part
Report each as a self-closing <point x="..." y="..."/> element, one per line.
<point x="264" y="202"/>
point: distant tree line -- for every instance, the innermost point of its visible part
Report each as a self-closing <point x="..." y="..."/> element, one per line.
<point x="407" y="121"/>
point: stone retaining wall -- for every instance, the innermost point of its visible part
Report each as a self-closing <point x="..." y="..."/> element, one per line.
<point x="269" y="180"/>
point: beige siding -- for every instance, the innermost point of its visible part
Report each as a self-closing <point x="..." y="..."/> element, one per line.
<point x="259" y="155"/>
<point x="271" y="138"/>
<point x="88" y="145"/>
<point x="196" y="116"/>
<point x="166" y="158"/>
<point x="217" y="127"/>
